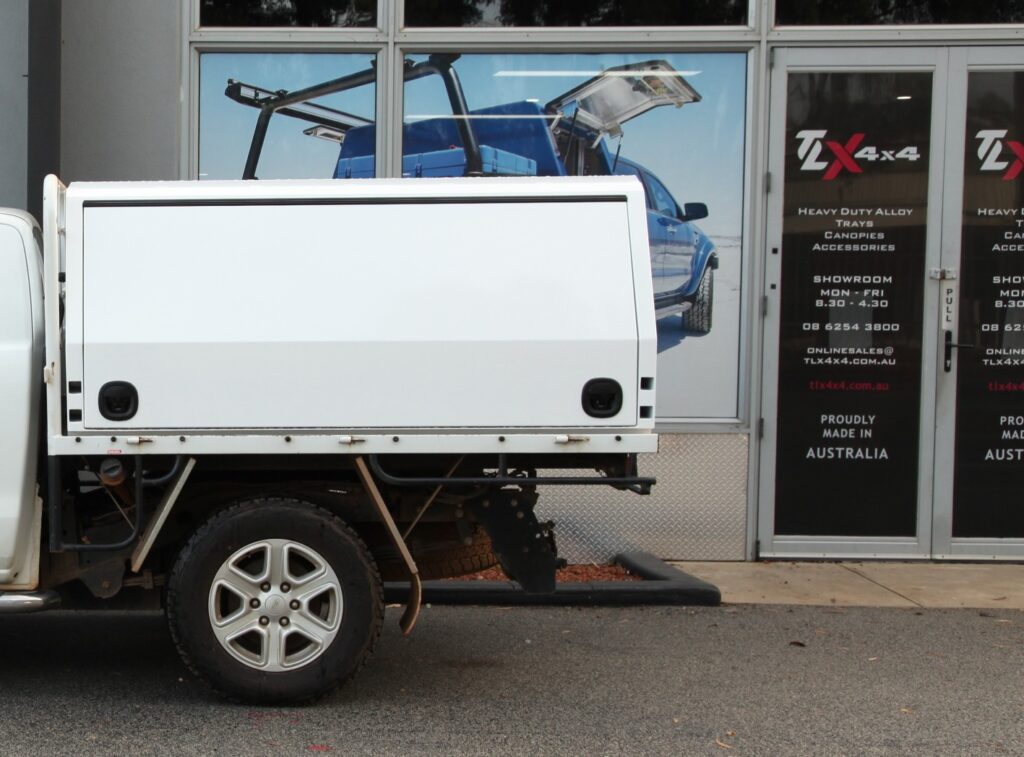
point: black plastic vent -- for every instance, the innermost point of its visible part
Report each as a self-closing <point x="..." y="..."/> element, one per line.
<point x="602" y="398"/>
<point x="118" y="400"/>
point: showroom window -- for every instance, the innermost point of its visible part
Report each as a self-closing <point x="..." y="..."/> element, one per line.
<point x="331" y="13"/>
<point x="303" y="139"/>
<point x="678" y="118"/>
<point x="873" y="12"/>
<point x="575" y="13"/>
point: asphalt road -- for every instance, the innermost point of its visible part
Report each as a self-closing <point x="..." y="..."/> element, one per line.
<point x="486" y="680"/>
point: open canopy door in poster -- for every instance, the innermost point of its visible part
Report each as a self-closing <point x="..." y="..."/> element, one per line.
<point x="852" y="288"/>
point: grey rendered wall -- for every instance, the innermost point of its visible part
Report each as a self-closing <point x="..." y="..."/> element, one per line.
<point x="13" y="103"/>
<point x="120" y="89"/>
<point x="43" y="98"/>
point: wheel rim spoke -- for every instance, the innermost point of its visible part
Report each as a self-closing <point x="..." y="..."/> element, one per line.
<point x="236" y="564"/>
<point x="307" y="619"/>
<point x="313" y="588"/>
<point x="319" y="566"/>
<point x="276" y="559"/>
<point x="241" y="585"/>
<point x="242" y="622"/>
<point x="273" y="648"/>
<point x="310" y="631"/>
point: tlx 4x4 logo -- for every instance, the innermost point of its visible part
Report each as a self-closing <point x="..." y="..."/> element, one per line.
<point x="819" y="153"/>
<point x="990" y="152"/>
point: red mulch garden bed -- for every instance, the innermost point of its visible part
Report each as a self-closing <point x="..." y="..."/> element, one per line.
<point x="584" y="572"/>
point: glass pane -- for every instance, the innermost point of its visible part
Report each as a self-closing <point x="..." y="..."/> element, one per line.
<point x="852" y="314"/>
<point x="576" y="13"/>
<point x="662" y="200"/>
<point x="680" y="117"/>
<point x="303" y="140"/>
<point x="871" y="12"/>
<point x="990" y="377"/>
<point x="288" y="13"/>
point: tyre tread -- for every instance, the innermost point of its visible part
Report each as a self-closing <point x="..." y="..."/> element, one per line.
<point x="697" y="319"/>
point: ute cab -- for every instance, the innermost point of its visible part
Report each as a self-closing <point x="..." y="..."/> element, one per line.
<point x="21" y="380"/>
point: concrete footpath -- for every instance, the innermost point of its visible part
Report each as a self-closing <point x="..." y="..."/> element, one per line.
<point x="865" y="584"/>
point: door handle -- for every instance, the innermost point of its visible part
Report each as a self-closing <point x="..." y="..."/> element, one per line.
<point x="949" y="345"/>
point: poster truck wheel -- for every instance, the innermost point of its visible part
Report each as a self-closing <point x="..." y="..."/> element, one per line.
<point x="697" y="320"/>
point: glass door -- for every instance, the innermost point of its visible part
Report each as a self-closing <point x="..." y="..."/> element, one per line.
<point x="856" y="167"/>
<point x="979" y="448"/>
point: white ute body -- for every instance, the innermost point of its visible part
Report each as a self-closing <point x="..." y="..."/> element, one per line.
<point x="264" y="398"/>
<point x="309" y="317"/>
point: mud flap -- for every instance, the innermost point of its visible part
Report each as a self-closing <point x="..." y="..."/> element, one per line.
<point x="412" y="609"/>
<point x="524" y="547"/>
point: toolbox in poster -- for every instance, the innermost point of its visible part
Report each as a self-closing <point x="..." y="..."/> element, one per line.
<point x="989" y="456"/>
<point x="852" y="286"/>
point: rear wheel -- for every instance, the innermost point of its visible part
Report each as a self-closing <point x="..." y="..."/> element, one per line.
<point x="274" y="601"/>
<point x="697" y="320"/>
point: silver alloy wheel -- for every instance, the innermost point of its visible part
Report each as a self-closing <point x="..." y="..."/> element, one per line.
<point x="275" y="605"/>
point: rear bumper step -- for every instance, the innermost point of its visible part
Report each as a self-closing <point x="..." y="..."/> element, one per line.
<point x="27" y="601"/>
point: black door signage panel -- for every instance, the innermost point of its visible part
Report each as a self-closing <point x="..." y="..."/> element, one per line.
<point x="989" y="457"/>
<point x="853" y="258"/>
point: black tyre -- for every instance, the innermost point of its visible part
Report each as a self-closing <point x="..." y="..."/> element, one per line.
<point x="274" y="601"/>
<point x="697" y="320"/>
<point x="459" y="560"/>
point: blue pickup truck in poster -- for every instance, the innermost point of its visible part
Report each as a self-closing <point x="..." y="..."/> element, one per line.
<point x="570" y="135"/>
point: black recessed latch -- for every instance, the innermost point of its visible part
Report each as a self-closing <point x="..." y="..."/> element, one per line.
<point x="118" y="400"/>
<point x="602" y="398"/>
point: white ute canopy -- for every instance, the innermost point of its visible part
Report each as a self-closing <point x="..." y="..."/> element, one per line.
<point x="427" y="315"/>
